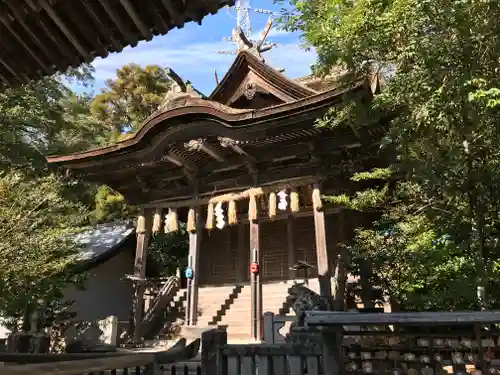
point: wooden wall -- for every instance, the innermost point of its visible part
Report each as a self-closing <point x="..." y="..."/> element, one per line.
<point x="224" y="257"/>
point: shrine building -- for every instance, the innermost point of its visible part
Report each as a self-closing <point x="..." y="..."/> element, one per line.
<point x="246" y="168"/>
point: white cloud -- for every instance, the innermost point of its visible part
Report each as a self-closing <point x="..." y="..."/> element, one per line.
<point x="196" y="61"/>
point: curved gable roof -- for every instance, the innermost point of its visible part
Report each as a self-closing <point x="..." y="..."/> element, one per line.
<point x="275" y="82"/>
<point x="189" y="117"/>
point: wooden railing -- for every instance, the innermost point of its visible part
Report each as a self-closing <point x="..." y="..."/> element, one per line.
<point x="272" y="326"/>
<point x="219" y="358"/>
<point x="165" y="295"/>
<point x="336" y="343"/>
<point x="97" y="363"/>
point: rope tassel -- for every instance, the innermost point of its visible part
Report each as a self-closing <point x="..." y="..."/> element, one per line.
<point x="316" y="199"/>
<point x="210" y="217"/>
<point x="252" y="208"/>
<point x="294" y="201"/>
<point x="171" y="224"/>
<point x="191" y="221"/>
<point x="272" y="205"/>
<point x="232" y="217"/>
<point x="141" y="224"/>
<point x="157" y="221"/>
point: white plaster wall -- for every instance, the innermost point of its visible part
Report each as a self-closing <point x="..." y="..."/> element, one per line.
<point x="106" y="293"/>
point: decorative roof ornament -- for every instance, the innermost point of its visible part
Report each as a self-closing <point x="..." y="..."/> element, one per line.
<point x="180" y="92"/>
<point x="256" y="48"/>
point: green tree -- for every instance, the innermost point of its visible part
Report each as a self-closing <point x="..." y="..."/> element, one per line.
<point x="37" y="251"/>
<point x="131" y="97"/>
<point x="440" y="58"/>
<point x="110" y="206"/>
<point x="46" y="117"/>
<point x="40" y="212"/>
<point x="170" y="250"/>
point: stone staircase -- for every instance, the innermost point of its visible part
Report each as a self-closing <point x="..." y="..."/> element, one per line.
<point x="238" y="317"/>
<point x="230" y="306"/>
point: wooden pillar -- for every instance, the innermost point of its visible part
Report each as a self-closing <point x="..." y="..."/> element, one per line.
<point x="143" y="232"/>
<point x="324" y="266"/>
<point x="194" y="264"/>
<point x="255" y="282"/>
<point x="292" y="254"/>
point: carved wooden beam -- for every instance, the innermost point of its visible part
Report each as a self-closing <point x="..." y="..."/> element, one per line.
<point x="137" y="19"/>
<point x="117" y="21"/>
<point x="248" y="159"/>
<point x="179" y="161"/>
<point x="202" y="145"/>
<point x="64" y="29"/>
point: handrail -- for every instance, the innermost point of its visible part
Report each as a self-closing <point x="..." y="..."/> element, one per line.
<point x="167" y="290"/>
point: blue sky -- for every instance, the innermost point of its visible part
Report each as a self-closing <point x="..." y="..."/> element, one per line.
<point x="192" y="50"/>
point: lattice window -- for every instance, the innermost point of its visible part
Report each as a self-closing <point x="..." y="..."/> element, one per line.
<point x="272" y="266"/>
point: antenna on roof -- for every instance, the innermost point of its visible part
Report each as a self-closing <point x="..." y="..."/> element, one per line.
<point x="216" y="77"/>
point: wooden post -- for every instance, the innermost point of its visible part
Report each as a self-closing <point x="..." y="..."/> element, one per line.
<point x="194" y="264"/>
<point x="324" y="266"/>
<point x="141" y="256"/>
<point x="269" y="328"/>
<point x="212" y="362"/>
<point x="332" y="355"/>
<point x="292" y="255"/>
<point x="255" y="282"/>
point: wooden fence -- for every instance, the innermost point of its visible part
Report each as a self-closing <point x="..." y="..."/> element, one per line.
<point x="370" y="343"/>
<point x="332" y="343"/>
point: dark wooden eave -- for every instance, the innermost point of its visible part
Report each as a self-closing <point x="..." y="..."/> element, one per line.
<point x="197" y="118"/>
<point x="223" y="148"/>
<point x="42" y="37"/>
<point x="248" y="68"/>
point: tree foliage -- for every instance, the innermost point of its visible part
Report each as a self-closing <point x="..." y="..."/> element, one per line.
<point x="130" y="98"/>
<point x="37" y="251"/>
<point x="441" y="61"/>
<point x="40" y="212"/>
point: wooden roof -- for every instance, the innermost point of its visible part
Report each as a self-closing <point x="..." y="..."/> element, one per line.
<point x="222" y="147"/>
<point x="41" y="37"/>
<point x="249" y="69"/>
